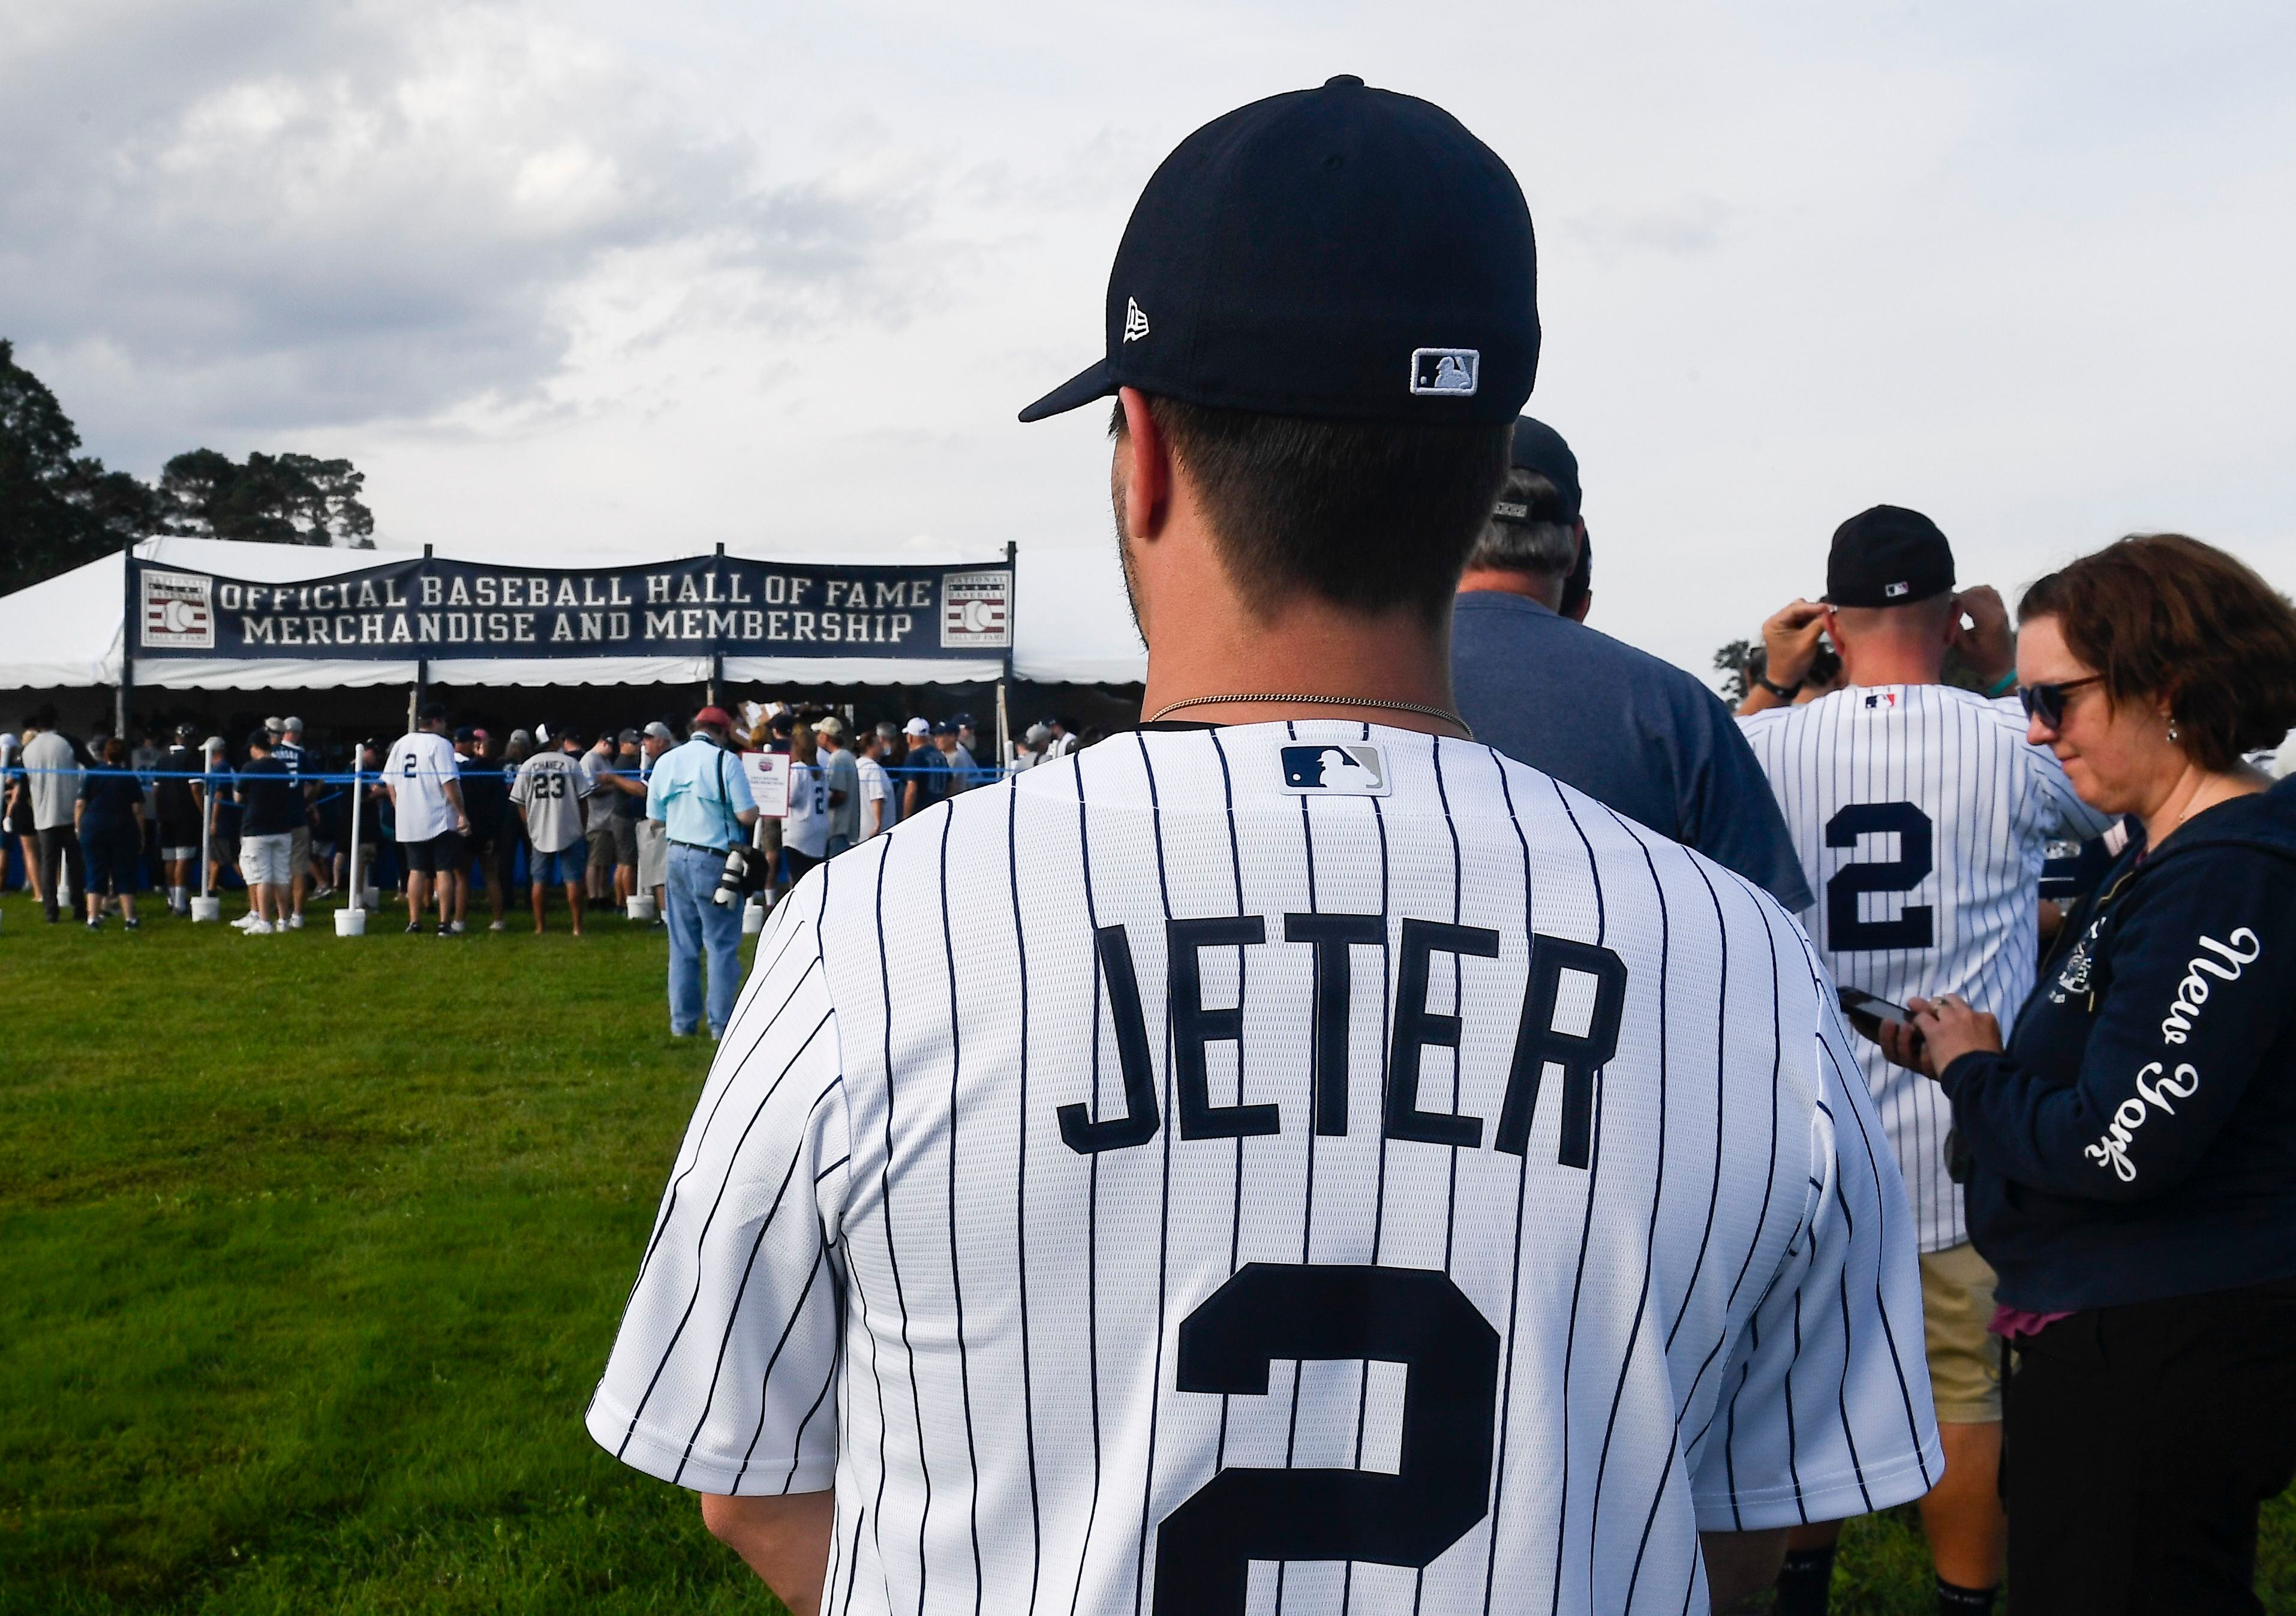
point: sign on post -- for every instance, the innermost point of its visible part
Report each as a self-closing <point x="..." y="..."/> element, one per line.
<point x="768" y="775"/>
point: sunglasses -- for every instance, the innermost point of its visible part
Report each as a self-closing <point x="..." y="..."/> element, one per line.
<point x="2046" y="702"/>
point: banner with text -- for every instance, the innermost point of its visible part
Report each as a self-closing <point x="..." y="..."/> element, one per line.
<point x="710" y="605"/>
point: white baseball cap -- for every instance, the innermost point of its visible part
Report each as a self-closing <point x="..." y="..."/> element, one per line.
<point x="916" y="726"/>
<point x="294" y="726"/>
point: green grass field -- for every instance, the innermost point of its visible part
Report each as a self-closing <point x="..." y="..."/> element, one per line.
<point x="310" y="1250"/>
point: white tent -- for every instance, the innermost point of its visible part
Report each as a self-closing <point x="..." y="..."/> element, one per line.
<point x="1070" y="626"/>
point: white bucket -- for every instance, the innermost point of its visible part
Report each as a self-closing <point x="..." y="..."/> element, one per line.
<point x="641" y="908"/>
<point x="350" y="923"/>
<point x="753" y="918"/>
<point x="207" y="908"/>
<point x="373" y="899"/>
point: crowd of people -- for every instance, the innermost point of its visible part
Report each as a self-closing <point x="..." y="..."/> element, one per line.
<point x="91" y="825"/>
<point x="2086" y="1087"/>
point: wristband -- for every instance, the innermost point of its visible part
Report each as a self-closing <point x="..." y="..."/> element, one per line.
<point x="1784" y="693"/>
<point x="2006" y="683"/>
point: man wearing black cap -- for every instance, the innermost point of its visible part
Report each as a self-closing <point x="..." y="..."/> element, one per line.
<point x="1920" y="813"/>
<point x="180" y="799"/>
<point x="1636" y="734"/>
<point x="1167" y="1256"/>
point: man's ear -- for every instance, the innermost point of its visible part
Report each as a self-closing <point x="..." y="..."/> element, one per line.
<point x="1146" y="471"/>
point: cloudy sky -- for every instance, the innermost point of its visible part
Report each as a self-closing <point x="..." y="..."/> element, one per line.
<point x="580" y="276"/>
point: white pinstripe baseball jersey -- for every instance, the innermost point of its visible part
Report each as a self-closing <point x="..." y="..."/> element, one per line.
<point x="1921" y="814"/>
<point x="1374" y="1177"/>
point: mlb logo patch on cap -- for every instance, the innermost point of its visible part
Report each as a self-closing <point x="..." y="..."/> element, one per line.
<point x="1337" y="771"/>
<point x="1453" y="370"/>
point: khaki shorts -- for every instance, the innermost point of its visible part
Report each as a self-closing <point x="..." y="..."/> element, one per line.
<point x="1965" y="1357"/>
<point x="267" y="861"/>
<point x="653" y="855"/>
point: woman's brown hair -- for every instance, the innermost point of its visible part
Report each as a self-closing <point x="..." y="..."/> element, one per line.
<point x="115" y="752"/>
<point x="2158" y="614"/>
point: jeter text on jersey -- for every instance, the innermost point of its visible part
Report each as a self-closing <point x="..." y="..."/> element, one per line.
<point x="1540" y="1043"/>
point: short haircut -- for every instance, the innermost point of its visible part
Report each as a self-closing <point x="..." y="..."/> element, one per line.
<point x="432" y="712"/>
<point x="1544" y="540"/>
<point x="2158" y="614"/>
<point x="1368" y="515"/>
<point x="1925" y="615"/>
<point x="259" y="741"/>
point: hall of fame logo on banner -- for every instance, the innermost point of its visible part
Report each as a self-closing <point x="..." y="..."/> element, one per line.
<point x="976" y="611"/>
<point x="178" y="612"/>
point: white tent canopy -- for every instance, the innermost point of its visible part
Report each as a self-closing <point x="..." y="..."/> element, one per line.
<point x="1070" y="626"/>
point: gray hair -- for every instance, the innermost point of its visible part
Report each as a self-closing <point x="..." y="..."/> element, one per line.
<point x="1541" y="539"/>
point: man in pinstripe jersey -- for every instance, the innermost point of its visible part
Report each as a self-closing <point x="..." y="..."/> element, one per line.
<point x="1921" y="816"/>
<point x="1382" y="1180"/>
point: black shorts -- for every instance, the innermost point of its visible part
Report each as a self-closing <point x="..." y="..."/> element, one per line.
<point x="496" y="854"/>
<point x="442" y="855"/>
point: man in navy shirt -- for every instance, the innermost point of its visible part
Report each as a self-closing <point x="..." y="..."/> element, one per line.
<point x="927" y="772"/>
<point x="1638" y="735"/>
<point x="270" y="797"/>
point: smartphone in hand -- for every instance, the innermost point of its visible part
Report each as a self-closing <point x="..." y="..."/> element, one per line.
<point x="1867" y="1012"/>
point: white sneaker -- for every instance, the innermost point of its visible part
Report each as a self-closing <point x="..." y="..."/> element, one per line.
<point x="261" y="928"/>
<point x="294" y="923"/>
<point x="458" y="928"/>
<point x="500" y="925"/>
<point x="248" y="922"/>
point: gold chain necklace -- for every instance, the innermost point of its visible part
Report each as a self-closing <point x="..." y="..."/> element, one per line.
<point x="1444" y="713"/>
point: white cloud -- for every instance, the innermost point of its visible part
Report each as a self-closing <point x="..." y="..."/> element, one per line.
<point x="586" y="275"/>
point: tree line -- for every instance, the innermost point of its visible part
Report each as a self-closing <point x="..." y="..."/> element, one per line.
<point x="60" y="509"/>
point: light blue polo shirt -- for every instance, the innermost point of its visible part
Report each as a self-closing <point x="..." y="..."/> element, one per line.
<point x="684" y="795"/>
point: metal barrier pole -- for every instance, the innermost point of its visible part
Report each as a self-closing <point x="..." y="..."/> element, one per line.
<point x="207" y="810"/>
<point x="358" y="887"/>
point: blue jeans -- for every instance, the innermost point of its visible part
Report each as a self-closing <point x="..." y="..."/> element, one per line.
<point x="695" y="923"/>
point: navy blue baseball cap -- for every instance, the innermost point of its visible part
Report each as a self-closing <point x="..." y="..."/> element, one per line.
<point x="1340" y="253"/>
<point x="1886" y="556"/>
<point x="1538" y="447"/>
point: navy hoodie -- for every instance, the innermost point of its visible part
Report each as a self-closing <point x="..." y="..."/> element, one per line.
<point x="2137" y="1139"/>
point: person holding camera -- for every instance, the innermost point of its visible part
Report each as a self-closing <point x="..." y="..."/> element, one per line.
<point x="2130" y="1158"/>
<point x="700" y="794"/>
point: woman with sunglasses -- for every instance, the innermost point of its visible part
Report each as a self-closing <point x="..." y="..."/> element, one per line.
<point x="2130" y="1156"/>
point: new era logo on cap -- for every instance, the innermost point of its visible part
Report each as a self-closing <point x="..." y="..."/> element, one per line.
<point x="1446" y="370"/>
<point x="1136" y="324"/>
<point x="1347" y="771"/>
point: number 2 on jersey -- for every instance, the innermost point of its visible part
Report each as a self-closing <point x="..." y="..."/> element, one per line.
<point x="1415" y="1316"/>
<point x="1916" y="926"/>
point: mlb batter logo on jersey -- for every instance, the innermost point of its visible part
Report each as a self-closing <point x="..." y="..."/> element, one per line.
<point x="1292" y="1165"/>
<point x="1923" y="819"/>
<point x="1354" y="770"/>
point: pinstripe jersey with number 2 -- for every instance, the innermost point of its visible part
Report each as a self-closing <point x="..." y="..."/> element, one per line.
<point x="1314" y="1167"/>
<point x="1922" y="815"/>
